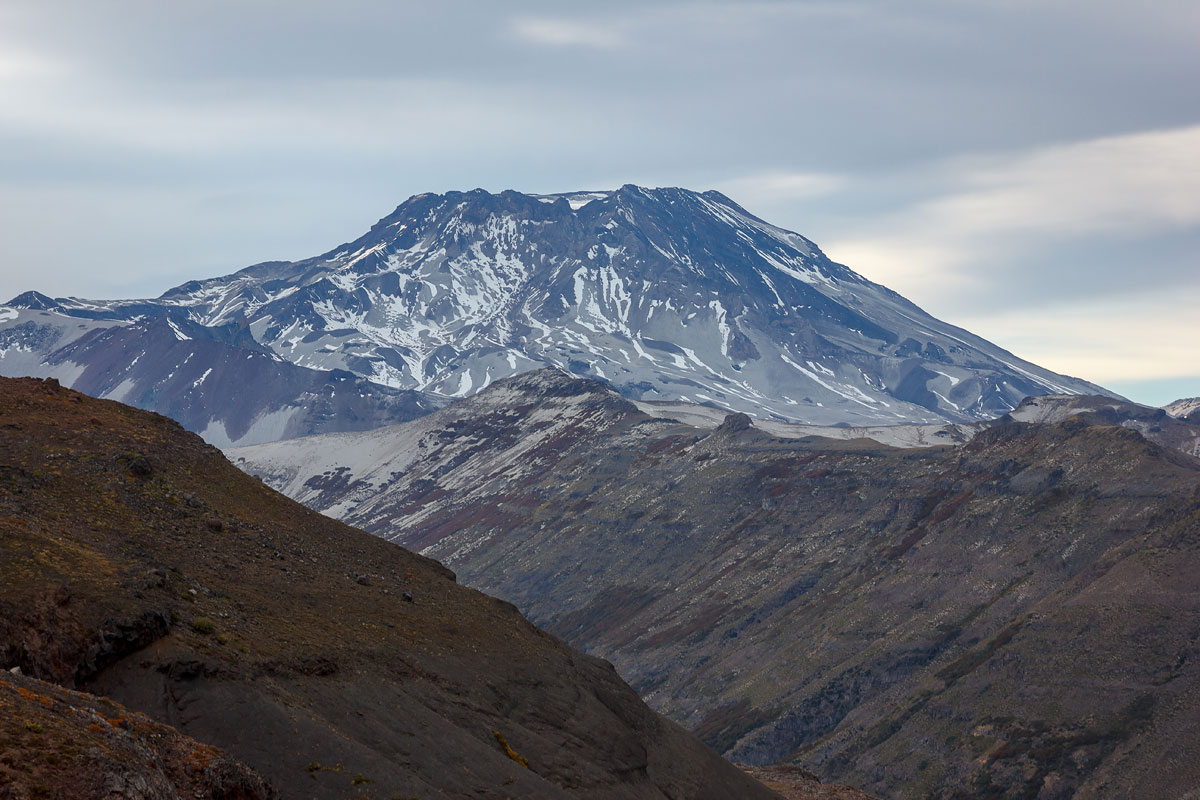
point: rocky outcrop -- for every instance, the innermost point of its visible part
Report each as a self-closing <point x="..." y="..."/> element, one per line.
<point x="59" y="743"/>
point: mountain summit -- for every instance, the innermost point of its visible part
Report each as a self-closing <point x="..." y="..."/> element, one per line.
<point x="667" y="294"/>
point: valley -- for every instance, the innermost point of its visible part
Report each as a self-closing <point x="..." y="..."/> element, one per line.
<point x="662" y="400"/>
<point x="906" y="620"/>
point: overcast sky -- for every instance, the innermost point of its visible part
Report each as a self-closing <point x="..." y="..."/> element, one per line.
<point x="1027" y="170"/>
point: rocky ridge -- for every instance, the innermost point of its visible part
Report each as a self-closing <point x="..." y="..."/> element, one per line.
<point x="1184" y="407"/>
<point x="56" y="742"/>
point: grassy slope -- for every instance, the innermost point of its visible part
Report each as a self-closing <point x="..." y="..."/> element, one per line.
<point x="136" y="562"/>
<point x="59" y="743"/>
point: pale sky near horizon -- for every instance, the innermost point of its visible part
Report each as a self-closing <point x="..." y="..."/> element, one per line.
<point x="1027" y="170"/>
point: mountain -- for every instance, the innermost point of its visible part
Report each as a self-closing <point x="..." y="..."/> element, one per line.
<point x="137" y="564"/>
<point x="1013" y="616"/>
<point x="215" y="380"/>
<point x="667" y="294"/>
<point x="1158" y="425"/>
<point x="1184" y="407"/>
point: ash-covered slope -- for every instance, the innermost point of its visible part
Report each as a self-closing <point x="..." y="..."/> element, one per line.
<point x="137" y="563"/>
<point x="1016" y="616"/>
<point x="214" y="380"/>
<point x="667" y="294"/>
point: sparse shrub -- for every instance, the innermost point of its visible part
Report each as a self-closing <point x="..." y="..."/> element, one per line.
<point x="140" y="466"/>
<point x="204" y="625"/>
<point x="33" y="727"/>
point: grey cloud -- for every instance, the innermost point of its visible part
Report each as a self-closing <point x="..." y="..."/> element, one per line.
<point x="212" y="134"/>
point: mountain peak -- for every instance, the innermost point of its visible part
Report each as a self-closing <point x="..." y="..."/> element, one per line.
<point x="664" y="293"/>
<point x="34" y="300"/>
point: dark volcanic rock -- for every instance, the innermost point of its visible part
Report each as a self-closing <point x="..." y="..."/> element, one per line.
<point x="249" y="635"/>
<point x="735" y="423"/>
<point x="1016" y="616"/>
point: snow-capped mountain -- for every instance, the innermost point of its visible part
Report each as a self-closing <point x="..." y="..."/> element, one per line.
<point x="667" y="294"/>
<point x="215" y="381"/>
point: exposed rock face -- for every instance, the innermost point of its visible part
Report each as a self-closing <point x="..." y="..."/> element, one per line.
<point x="667" y="294"/>
<point x="330" y="661"/>
<point x="1013" y="616"/>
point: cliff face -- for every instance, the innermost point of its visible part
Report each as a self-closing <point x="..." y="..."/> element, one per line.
<point x="1013" y="616"/>
<point x="137" y="563"/>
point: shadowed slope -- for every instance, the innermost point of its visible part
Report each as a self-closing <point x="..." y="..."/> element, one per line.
<point x="64" y="744"/>
<point x="137" y="563"/>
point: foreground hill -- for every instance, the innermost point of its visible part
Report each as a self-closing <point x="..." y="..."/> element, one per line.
<point x="138" y="564"/>
<point x="1016" y="616"/>
<point x="668" y="294"/>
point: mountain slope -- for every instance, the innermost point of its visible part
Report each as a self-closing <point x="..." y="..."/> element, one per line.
<point x="1184" y="407"/>
<point x="667" y="294"/>
<point x="215" y="381"/>
<point x="1011" y="616"/>
<point x="1156" y="424"/>
<point x="137" y="563"/>
<point x="64" y="744"/>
